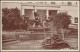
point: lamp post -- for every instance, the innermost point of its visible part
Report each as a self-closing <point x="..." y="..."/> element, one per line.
<point x="44" y="26"/>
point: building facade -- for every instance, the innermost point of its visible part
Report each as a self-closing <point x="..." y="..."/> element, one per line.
<point x="47" y="9"/>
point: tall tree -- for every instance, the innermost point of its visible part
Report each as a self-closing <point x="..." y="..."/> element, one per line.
<point x="62" y="21"/>
<point x="11" y="18"/>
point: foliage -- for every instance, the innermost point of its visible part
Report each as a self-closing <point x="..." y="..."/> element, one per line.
<point x="62" y="20"/>
<point x="11" y="18"/>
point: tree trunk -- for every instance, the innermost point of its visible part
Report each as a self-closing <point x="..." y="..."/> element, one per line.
<point x="44" y="34"/>
<point x="62" y="33"/>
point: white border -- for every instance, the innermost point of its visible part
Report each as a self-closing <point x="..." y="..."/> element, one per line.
<point x="39" y="50"/>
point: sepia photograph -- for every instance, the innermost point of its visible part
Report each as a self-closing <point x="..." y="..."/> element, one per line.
<point x="40" y="25"/>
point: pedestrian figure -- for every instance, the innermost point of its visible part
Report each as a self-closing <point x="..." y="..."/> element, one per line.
<point x="44" y="22"/>
<point x="36" y="22"/>
<point x="26" y="22"/>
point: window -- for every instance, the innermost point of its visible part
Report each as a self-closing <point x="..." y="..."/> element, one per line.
<point x="52" y="2"/>
<point x="52" y="13"/>
<point x="76" y="3"/>
<point x="62" y="2"/>
<point x="76" y="20"/>
<point x="69" y="3"/>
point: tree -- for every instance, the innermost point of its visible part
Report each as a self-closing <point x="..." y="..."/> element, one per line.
<point x="11" y="18"/>
<point x="62" y="21"/>
<point x="5" y="21"/>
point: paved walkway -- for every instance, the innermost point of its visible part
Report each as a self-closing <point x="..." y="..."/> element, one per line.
<point x="33" y="44"/>
<point x="23" y="45"/>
